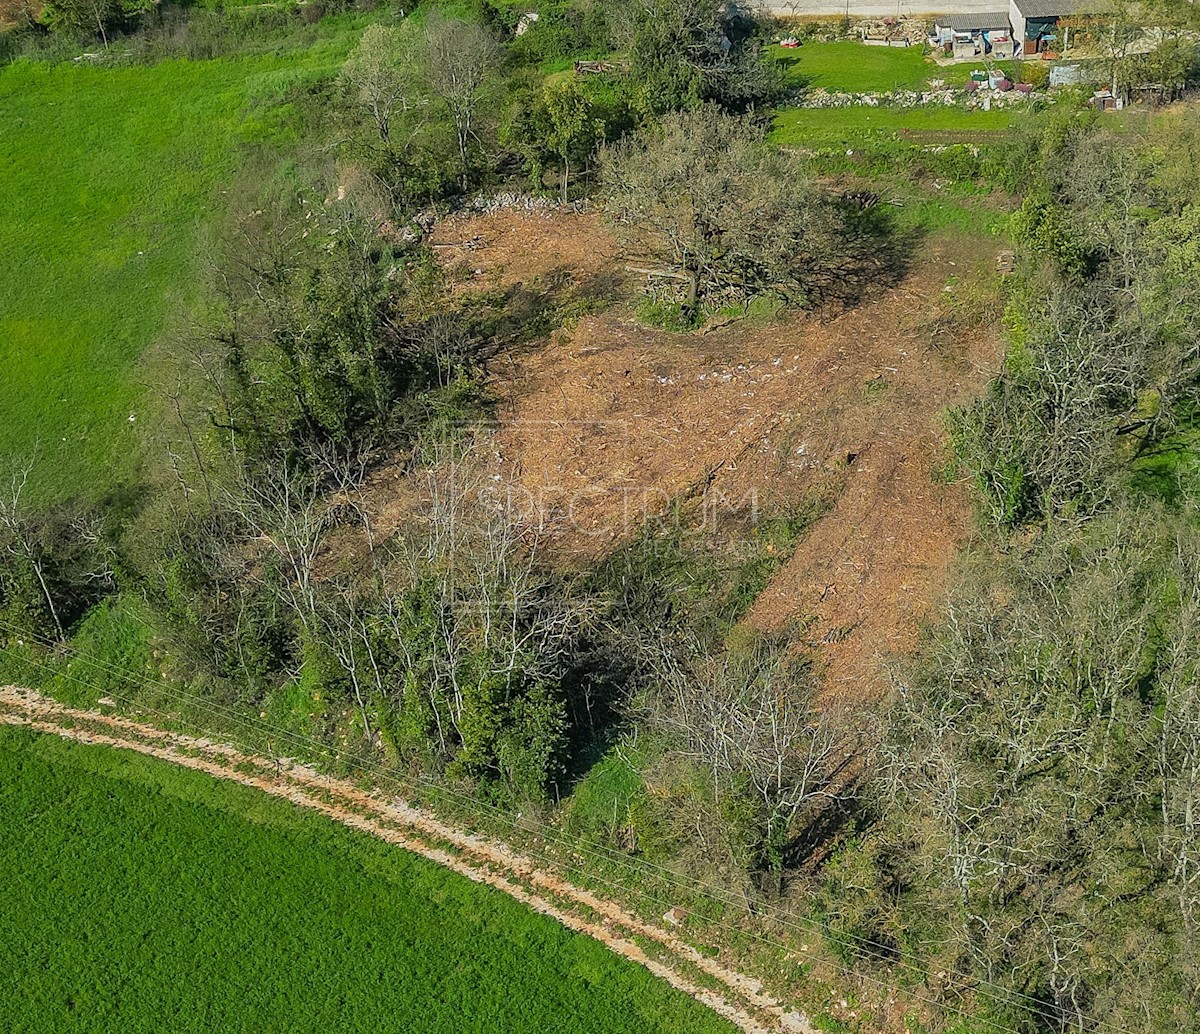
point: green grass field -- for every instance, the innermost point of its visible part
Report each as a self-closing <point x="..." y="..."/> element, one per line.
<point x="853" y="68"/>
<point x="108" y="180"/>
<point x="859" y="126"/>
<point x="139" y="896"/>
<point x="849" y="67"/>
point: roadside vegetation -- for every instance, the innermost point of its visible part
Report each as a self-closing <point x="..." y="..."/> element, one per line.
<point x="303" y="532"/>
<point x="139" y="896"/>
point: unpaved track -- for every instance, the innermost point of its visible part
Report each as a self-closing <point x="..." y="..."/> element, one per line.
<point x="740" y="999"/>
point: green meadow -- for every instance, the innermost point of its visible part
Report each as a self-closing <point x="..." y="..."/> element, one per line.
<point x="851" y="67"/>
<point x="862" y="125"/>
<point x="108" y="185"/>
<point x="139" y="896"/>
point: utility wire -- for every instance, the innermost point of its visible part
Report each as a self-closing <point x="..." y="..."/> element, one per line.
<point x="551" y="861"/>
<point x="789" y="920"/>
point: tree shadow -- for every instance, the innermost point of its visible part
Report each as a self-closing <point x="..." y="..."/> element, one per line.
<point x="793" y="78"/>
<point x="596" y="689"/>
<point x="878" y="255"/>
<point x="523" y="315"/>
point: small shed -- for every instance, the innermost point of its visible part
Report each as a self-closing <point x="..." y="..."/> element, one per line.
<point x="1035" y="23"/>
<point x="973" y="35"/>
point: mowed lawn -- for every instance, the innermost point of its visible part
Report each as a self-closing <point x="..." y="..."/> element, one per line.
<point x="139" y="896"/>
<point x="108" y="179"/>
<point x="851" y="67"/>
<point x="848" y="67"/>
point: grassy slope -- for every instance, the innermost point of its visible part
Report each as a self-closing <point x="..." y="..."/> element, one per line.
<point x="836" y="127"/>
<point x="143" y="897"/>
<point x="107" y="180"/>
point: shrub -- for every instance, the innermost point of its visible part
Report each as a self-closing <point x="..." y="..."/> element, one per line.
<point x="1036" y="73"/>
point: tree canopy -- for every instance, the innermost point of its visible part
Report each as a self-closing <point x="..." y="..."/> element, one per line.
<point x="704" y="192"/>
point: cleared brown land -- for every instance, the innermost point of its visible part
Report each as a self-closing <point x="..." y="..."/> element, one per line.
<point x="607" y="421"/>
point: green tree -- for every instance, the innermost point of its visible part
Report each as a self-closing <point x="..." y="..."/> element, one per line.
<point x="82" y="17"/>
<point x="1042" y="753"/>
<point x="684" y="53"/>
<point x="705" y="193"/>
<point x="573" y="129"/>
<point x="480" y="638"/>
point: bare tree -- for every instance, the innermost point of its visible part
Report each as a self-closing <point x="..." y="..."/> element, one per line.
<point x="19" y="542"/>
<point x="482" y="632"/>
<point x="1179" y="741"/>
<point x="459" y="65"/>
<point x="61" y="549"/>
<point x="342" y="624"/>
<point x="748" y="717"/>
<point x="1020" y="747"/>
<point x="373" y="70"/>
<point x="283" y="512"/>
<point x="1041" y="440"/>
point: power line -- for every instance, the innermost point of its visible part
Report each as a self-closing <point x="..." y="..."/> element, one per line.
<point x="594" y="849"/>
<point x="553" y="862"/>
<point x="881" y="952"/>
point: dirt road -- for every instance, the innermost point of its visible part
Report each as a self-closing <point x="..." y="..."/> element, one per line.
<point x="876" y="9"/>
<point x="740" y="999"/>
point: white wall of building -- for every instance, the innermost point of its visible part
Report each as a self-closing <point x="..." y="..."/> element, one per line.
<point x="1018" y="25"/>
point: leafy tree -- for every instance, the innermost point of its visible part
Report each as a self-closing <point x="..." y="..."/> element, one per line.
<point x="573" y="129"/>
<point x="480" y="637"/>
<point x="705" y="193"/>
<point x="1105" y="358"/>
<point x="1115" y="32"/>
<point x="82" y="17"/>
<point x="563" y="121"/>
<point x="311" y="363"/>
<point x="684" y="53"/>
<point x="562" y="32"/>
<point x="1172" y="64"/>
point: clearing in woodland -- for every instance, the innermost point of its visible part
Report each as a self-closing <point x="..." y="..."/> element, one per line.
<point x="608" y="423"/>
